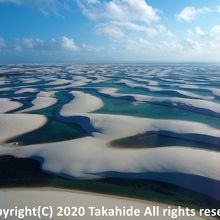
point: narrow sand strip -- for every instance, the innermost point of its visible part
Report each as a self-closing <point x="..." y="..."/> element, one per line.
<point x="200" y="105"/>
<point x="54" y="197"/>
<point x="42" y="100"/>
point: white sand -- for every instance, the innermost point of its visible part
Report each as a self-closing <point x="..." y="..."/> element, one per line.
<point x="59" y="82"/>
<point x="75" y="161"/>
<point x="215" y="91"/>
<point x="198" y="104"/>
<point x="54" y="197"/>
<point x="188" y="94"/>
<point x="8" y="105"/>
<point x="81" y="103"/>
<point x="12" y="125"/>
<point x="24" y="90"/>
<point x="29" y="80"/>
<point x="42" y="100"/>
<point x="72" y="157"/>
<point x="90" y="156"/>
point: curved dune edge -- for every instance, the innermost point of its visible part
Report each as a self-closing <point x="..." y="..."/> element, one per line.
<point x="59" y="82"/>
<point x="117" y="126"/>
<point x="198" y="105"/>
<point x="71" y="158"/>
<point x="77" y="81"/>
<point x="42" y="100"/>
<point x="59" y="197"/>
<point x="183" y="93"/>
<point x="111" y="127"/>
<point x="12" y="125"/>
<point x="81" y="103"/>
<point x="26" y="90"/>
<point x="7" y="105"/>
<point x="92" y="155"/>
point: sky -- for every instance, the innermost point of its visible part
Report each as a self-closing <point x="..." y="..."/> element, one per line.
<point x="109" y="30"/>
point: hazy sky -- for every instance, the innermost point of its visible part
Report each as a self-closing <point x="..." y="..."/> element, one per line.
<point x="109" y="30"/>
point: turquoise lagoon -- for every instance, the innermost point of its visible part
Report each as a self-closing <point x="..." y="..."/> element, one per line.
<point x="171" y="81"/>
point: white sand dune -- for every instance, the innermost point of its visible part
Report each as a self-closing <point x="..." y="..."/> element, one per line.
<point x="54" y="197"/>
<point x="215" y="91"/>
<point x="46" y="94"/>
<point x="24" y="90"/>
<point x="59" y="82"/>
<point x="12" y="125"/>
<point x="75" y="83"/>
<point x="42" y="100"/>
<point x="29" y="80"/>
<point x="6" y="89"/>
<point x="8" y="105"/>
<point x="99" y="79"/>
<point x="188" y="94"/>
<point x="81" y="79"/>
<point x="188" y="86"/>
<point x="199" y="104"/>
<point x="72" y="158"/>
<point x="92" y="157"/>
<point x="81" y="103"/>
<point x="116" y="126"/>
<point x="195" y="104"/>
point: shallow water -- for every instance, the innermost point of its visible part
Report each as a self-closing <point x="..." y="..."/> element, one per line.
<point x="167" y="76"/>
<point x="54" y="130"/>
